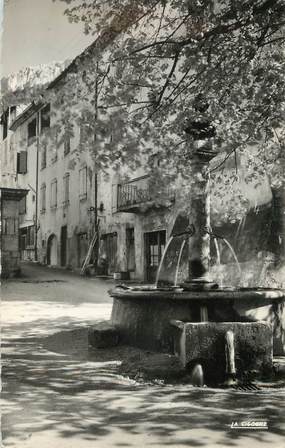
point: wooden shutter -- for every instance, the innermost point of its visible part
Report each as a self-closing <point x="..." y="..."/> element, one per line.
<point x="22" y="162"/>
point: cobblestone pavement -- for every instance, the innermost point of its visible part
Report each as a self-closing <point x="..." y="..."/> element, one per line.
<point x="55" y="395"/>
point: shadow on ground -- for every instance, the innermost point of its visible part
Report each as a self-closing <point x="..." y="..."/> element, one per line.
<point x="56" y="393"/>
<point x="54" y="384"/>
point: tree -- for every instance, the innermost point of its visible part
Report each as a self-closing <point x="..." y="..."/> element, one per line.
<point x="150" y="61"/>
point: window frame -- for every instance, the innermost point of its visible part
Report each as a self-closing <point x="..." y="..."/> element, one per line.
<point x="43" y="198"/>
<point x="53" y="195"/>
<point x="66" y="145"/>
<point x="66" y="189"/>
<point x="45" y="113"/>
<point x="32" y="136"/>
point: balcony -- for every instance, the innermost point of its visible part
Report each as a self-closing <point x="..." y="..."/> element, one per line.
<point x="137" y="196"/>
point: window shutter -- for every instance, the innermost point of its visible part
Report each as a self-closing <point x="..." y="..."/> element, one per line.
<point x="22" y="162"/>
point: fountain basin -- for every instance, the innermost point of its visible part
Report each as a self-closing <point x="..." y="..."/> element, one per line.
<point x="143" y="314"/>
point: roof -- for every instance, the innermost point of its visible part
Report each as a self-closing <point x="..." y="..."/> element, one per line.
<point x="25" y="115"/>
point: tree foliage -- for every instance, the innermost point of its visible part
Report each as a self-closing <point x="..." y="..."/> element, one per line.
<point x="133" y="92"/>
<point x="159" y="55"/>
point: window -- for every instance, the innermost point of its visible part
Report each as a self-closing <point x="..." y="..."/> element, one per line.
<point x="32" y="131"/>
<point x="43" y="156"/>
<point x="45" y="117"/>
<point x="4" y="122"/>
<point x="54" y="154"/>
<point x="83" y="132"/>
<point x="43" y="198"/>
<point x="66" y="145"/>
<point x="66" y="189"/>
<point x="83" y="183"/>
<point x="22" y="162"/>
<point x="154" y="160"/>
<point x="53" y="194"/>
<point x="23" y="205"/>
<point x="13" y="110"/>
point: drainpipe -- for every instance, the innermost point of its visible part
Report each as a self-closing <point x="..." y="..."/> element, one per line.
<point x="37" y="183"/>
<point x="96" y="200"/>
<point x="95" y="168"/>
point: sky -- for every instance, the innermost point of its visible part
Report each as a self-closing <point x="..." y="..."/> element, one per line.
<point x="36" y="32"/>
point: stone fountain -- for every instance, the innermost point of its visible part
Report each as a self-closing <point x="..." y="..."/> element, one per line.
<point x="224" y="334"/>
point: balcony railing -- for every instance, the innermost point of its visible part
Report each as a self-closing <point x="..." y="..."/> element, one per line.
<point x="136" y="195"/>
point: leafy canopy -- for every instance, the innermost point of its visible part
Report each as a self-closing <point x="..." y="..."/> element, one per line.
<point x="134" y="90"/>
<point x="152" y="58"/>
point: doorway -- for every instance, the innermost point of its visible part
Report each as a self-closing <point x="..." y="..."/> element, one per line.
<point x="82" y="248"/>
<point x="154" y="247"/>
<point x="130" y="246"/>
<point x="109" y="251"/>
<point x="52" y="250"/>
<point x="63" y="246"/>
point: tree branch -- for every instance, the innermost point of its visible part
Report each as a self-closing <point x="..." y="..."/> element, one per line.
<point x="168" y="77"/>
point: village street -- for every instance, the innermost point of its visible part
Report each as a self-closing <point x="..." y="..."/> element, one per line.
<point x="55" y="394"/>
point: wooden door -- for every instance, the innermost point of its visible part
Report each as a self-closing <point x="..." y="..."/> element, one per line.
<point x="110" y="251"/>
<point x="63" y="246"/>
<point x="130" y="244"/>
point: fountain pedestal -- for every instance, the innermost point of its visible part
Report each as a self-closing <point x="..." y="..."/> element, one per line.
<point x="199" y="216"/>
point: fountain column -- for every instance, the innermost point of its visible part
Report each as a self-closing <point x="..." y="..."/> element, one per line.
<point x="200" y="132"/>
<point x="199" y="217"/>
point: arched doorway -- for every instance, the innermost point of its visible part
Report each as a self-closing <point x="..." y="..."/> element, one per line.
<point x="52" y="250"/>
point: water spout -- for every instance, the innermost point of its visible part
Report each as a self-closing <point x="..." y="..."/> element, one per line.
<point x="162" y="260"/>
<point x="178" y="262"/>
<point x="217" y="251"/>
<point x="233" y="254"/>
<point x="230" y="358"/>
<point x="218" y="260"/>
<point x="197" y="376"/>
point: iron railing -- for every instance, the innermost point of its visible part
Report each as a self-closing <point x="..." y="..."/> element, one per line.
<point x="136" y="192"/>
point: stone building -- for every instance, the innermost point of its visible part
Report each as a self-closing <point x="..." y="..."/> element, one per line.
<point x="64" y="186"/>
